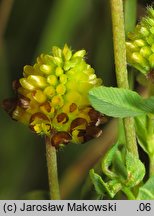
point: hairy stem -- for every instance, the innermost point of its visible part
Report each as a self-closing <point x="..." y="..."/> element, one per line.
<point x="121" y="67"/>
<point x="52" y="170"/>
<point x="130" y="136"/>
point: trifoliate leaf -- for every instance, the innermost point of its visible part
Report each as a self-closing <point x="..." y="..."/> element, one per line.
<point x="117" y="102"/>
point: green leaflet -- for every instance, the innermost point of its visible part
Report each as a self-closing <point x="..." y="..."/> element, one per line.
<point x="107" y="161"/>
<point x="101" y="187"/>
<point x="120" y="103"/>
<point x="145" y="133"/>
<point x="129" y="175"/>
<point x="135" y="170"/>
<point x="114" y="159"/>
<point x="148" y="105"/>
<point x="97" y="182"/>
<point x="120" y="178"/>
<point x="146" y="192"/>
<point x="141" y="131"/>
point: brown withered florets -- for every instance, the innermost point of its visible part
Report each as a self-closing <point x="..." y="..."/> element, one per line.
<point x="52" y="98"/>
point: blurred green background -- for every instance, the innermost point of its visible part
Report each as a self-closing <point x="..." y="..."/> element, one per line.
<point x="28" y="28"/>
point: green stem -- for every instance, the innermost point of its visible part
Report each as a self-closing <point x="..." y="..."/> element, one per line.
<point x="119" y="43"/>
<point x="131" y="143"/>
<point x="121" y="67"/>
<point x="52" y="170"/>
<point x="128" y="193"/>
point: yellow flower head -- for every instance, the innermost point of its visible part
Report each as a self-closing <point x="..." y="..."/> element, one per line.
<point x="140" y="44"/>
<point x="52" y="97"/>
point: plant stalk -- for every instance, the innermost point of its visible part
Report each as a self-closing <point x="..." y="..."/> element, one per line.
<point x="121" y="67"/>
<point x="128" y="193"/>
<point x="52" y="170"/>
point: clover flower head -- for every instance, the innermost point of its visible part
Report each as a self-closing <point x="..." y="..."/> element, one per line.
<point x="52" y="97"/>
<point x="140" y="44"/>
